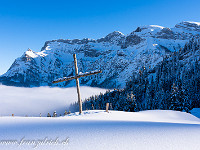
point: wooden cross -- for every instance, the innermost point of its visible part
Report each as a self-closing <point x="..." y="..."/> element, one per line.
<point x="76" y="77"/>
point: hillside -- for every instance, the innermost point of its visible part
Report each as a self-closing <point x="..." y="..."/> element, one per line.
<point x="174" y="83"/>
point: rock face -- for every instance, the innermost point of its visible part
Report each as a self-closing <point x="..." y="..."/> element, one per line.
<point x="117" y="55"/>
<point x="187" y="25"/>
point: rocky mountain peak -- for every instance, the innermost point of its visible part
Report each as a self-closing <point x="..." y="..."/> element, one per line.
<point x="149" y="28"/>
<point x="114" y="34"/>
<point x="113" y="37"/>
<point x="30" y="53"/>
<point x="148" y="31"/>
<point x="189" y="25"/>
<point x="29" y="50"/>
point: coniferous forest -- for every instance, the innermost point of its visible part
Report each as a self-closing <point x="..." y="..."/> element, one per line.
<point x="174" y="84"/>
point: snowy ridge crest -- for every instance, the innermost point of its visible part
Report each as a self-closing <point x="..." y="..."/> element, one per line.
<point x="189" y="25"/>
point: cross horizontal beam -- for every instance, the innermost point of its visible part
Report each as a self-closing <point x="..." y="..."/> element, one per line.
<point x="78" y="76"/>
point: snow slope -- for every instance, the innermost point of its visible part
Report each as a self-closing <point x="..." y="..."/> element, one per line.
<point x="98" y="130"/>
<point x="33" y="101"/>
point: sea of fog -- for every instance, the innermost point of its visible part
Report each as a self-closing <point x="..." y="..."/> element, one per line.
<point x="33" y="101"/>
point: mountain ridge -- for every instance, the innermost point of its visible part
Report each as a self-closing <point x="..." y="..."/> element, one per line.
<point x="117" y="55"/>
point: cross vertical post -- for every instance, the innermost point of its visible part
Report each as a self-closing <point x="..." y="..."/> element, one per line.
<point x="76" y="77"/>
<point x="77" y="84"/>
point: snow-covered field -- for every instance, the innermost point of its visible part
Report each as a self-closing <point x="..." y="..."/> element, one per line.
<point x="98" y="130"/>
<point x="93" y="130"/>
<point x="33" y="101"/>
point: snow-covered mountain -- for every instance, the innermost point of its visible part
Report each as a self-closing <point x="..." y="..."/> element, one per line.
<point x="116" y="54"/>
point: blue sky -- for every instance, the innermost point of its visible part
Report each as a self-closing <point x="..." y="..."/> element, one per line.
<point x="29" y="23"/>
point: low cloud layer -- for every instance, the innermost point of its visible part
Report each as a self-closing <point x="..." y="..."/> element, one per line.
<point x="33" y="101"/>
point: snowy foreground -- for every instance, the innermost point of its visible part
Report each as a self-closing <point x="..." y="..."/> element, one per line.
<point x="98" y="130"/>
